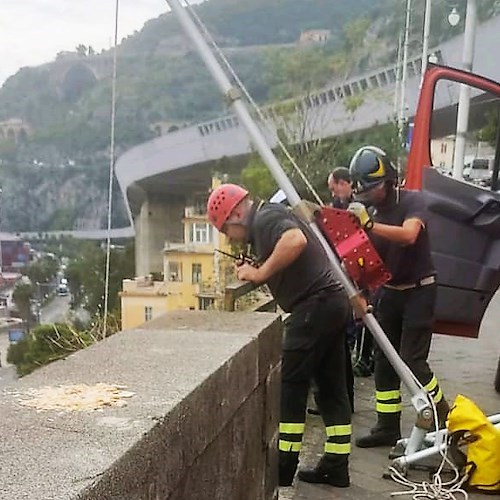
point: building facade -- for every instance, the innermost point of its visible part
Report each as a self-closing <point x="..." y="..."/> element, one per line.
<point x="194" y="275"/>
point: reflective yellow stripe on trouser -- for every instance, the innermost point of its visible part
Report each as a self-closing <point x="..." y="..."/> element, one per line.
<point x="290" y="437"/>
<point x="338" y="439"/>
<point x="434" y="390"/>
<point x="388" y="401"/>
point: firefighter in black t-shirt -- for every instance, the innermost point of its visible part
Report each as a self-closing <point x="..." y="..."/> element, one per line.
<point x="405" y="305"/>
<point x="293" y="264"/>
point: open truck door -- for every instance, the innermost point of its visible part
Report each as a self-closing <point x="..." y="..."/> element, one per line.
<point x="464" y="223"/>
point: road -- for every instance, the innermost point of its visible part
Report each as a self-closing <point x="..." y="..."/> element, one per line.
<point x="56" y="310"/>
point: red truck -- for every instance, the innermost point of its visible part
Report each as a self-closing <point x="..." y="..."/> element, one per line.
<point x="465" y="218"/>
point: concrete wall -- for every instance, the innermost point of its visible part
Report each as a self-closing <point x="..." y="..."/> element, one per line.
<point x="159" y="220"/>
<point x="202" y="425"/>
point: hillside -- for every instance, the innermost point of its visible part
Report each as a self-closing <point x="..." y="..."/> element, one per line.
<point x="162" y="85"/>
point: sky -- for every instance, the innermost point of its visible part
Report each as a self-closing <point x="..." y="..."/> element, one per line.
<point x="32" y="32"/>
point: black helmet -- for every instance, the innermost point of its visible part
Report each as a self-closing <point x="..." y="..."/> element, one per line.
<point x="370" y="166"/>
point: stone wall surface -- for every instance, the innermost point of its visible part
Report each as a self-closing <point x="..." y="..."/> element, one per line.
<point x="202" y="424"/>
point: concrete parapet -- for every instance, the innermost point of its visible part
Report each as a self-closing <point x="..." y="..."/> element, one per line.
<point x="202" y="424"/>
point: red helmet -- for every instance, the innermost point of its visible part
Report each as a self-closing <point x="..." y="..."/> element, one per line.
<point x="222" y="201"/>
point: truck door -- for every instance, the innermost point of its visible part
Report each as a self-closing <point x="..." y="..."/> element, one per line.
<point x="464" y="223"/>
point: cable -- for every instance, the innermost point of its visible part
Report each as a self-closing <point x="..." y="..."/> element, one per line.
<point x="111" y="171"/>
<point x="254" y="105"/>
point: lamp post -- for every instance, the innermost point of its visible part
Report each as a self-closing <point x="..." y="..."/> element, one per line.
<point x="464" y="97"/>
<point x="404" y="72"/>
<point x="427" y="31"/>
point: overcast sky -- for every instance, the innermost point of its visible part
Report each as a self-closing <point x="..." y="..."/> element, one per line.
<point x="32" y="32"/>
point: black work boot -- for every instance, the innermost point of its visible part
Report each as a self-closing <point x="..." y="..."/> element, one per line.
<point x="287" y="466"/>
<point x="331" y="469"/>
<point x="385" y="433"/>
<point x="442" y="409"/>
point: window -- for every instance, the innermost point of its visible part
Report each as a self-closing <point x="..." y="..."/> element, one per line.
<point x="148" y="313"/>
<point x="196" y="273"/>
<point x="174" y="271"/>
<point x="206" y="303"/>
<point x="200" y="232"/>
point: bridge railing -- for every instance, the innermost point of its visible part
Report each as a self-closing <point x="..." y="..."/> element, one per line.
<point x="262" y="301"/>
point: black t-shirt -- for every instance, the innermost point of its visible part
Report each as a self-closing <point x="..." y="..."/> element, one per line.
<point x="407" y="264"/>
<point x="310" y="273"/>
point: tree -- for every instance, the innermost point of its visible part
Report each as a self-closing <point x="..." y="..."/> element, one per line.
<point x="45" y="344"/>
<point x="81" y="50"/>
<point x="86" y="277"/>
<point x="22" y="296"/>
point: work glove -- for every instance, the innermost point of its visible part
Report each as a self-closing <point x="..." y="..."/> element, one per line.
<point x="359" y="210"/>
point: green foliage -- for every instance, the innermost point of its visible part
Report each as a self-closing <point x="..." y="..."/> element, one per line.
<point x="317" y="160"/>
<point x="22" y="295"/>
<point x="45" y="344"/>
<point x="86" y="277"/>
<point x="257" y="178"/>
<point x="489" y="132"/>
<point x="43" y="270"/>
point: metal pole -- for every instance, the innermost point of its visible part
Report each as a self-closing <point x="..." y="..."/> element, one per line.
<point x="464" y="98"/>
<point x="402" y="98"/>
<point x="398" y="76"/>
<point x="419" y="396"/>
<point x="425" y="43"/>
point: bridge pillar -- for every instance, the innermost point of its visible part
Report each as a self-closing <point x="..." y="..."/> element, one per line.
<point x="159" y="220"/>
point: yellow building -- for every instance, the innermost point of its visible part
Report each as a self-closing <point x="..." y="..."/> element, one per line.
<point x="194" y="275"/>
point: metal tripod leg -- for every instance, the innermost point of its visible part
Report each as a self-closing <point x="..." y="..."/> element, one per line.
<point x="419" y="396"/>
<point x="439" y="440"/>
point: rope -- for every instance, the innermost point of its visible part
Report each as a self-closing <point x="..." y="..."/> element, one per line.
<point x="111" y="171"/>
<point x="435" y="490"/>
<point x="254" y="105"/>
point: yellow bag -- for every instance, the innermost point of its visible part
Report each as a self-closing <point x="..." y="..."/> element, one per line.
<point x="483" y="448"/>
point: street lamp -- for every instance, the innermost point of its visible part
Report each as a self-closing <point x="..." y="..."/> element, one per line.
<point x="425" y="44"/>
<point x="464" y="97"/>
<point x="454" y="17"/>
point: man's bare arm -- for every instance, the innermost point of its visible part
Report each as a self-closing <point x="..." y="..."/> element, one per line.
<point x="405" y="235"/>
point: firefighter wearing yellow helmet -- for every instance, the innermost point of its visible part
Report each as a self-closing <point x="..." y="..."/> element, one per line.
<point x="405" y="305"/>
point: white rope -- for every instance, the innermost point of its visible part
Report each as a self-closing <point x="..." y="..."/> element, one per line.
<point x="254" y="105"/>
<point x="435" y="490"/>
<point x="111" y="171"/>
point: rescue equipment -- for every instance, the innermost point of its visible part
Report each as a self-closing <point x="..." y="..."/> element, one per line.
<point x="354" y="248"/>
<point x="468" y="424"/>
